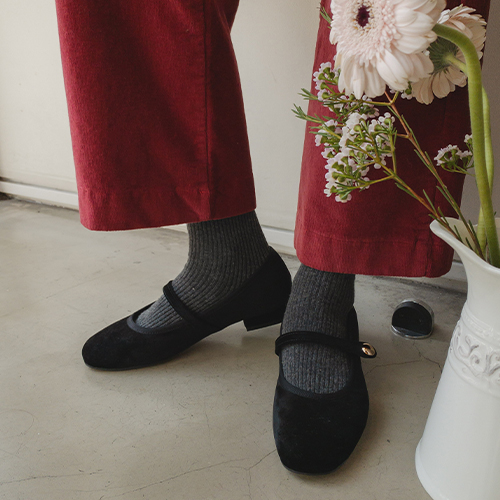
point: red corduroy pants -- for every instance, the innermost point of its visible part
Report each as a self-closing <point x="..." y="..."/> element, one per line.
<point x="159" y="138"/>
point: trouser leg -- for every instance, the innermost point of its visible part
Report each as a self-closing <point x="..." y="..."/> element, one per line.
<point x="382" y="231"/>
<point x="156" y="112"/>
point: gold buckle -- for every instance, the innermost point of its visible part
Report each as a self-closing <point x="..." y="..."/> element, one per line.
<point x="368" y="350"/>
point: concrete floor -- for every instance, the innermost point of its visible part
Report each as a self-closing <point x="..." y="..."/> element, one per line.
<point x="199" y="427"/>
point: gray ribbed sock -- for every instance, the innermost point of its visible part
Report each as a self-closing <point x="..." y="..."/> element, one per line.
<point x="222" y="255"/>
<point x="319" y="302"/>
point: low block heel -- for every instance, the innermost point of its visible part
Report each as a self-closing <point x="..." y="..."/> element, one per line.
<point x="273" y="318"/>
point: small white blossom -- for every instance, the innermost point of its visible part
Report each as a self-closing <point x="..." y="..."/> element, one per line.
<point x="339" y="157"/>
<point x="340" y="105"/>
<point x="354" y="120"/>
<point x="345" y="137"/>
<point x="327" y="152"/>
<point x="322" y="68"/>
<point x="341" y="200"/>
<point x="322" y="95"/>
<point x="442" y="153"/>
<point x="372" y="125"/>
<point x="318" y="74"/>
<point x="387" y="117"/>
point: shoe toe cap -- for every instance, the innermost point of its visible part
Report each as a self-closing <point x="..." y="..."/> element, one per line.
<point x="113" y="348"/>
<point x="317" y="435"/>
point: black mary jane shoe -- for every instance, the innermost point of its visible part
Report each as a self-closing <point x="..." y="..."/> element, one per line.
<point x="259" y="302"/>
<point x="316" y="433"/>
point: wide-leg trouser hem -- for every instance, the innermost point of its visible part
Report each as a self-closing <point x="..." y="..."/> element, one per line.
<point x="154" y="208"/>
<point x="410" y="258"/>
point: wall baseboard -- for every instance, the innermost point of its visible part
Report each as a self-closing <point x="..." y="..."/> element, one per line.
<point x="48" y="196"/>
<point x="280" y="239"/>
<point x="457" y="272"/>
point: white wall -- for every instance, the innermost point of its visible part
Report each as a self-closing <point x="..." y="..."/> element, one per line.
<point x="274" y="42"/>
<point x="35" y="145"/>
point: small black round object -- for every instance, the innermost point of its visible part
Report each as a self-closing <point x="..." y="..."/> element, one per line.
<point x="413" y="319"/>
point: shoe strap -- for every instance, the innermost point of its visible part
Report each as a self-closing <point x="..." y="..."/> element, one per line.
<point x="362" y="349"/>
<point x="183" y="310"/>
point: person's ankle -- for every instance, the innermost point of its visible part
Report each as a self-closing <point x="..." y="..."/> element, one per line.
<point x="223" y="254"/>
<point x="320" y="302"/>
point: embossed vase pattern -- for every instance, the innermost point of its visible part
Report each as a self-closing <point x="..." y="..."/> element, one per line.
<point x="458" y="457"/>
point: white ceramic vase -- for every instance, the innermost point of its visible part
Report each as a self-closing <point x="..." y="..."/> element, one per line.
<point x="458" y="457"/>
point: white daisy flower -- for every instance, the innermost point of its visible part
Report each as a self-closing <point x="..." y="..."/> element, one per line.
<point x="445" y="77"/>
<point x="381" y="42"/>
<point x="473" y="25"/>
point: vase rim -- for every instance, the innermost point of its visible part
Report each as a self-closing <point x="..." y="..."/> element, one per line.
<point x="460" y="247"/>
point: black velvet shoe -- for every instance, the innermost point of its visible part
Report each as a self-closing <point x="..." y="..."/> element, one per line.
<point x="316" y="433"/>
<point x="259" y="302"/>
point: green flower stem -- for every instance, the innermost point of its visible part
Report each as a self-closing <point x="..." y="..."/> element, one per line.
<point x="456" y="62"/>
<point x="477" y="124"/>
<point x="490" y="163"/>
<point x="424" y="157"/>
